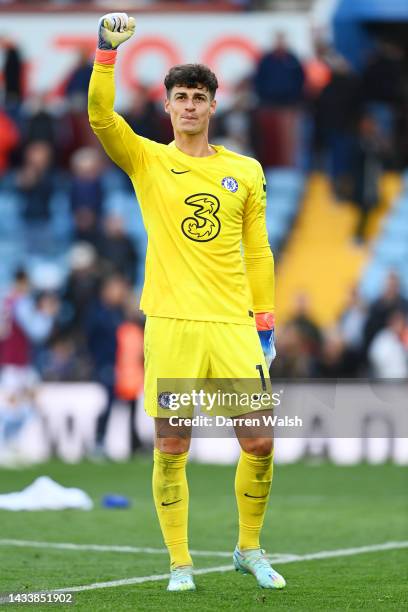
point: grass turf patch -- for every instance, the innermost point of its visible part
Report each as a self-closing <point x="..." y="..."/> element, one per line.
<point x="312" y="508"/>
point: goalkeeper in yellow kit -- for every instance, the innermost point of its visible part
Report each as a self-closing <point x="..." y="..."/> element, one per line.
<point x="203" y="299"/>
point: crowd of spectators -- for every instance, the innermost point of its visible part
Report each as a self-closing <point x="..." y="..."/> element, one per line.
<point x="91" y="330"/>
<point x="87" y="327"/>
<point x="369" y="340"/>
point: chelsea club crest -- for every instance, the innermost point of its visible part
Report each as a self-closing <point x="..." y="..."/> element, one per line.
<point x="230" y="183"/>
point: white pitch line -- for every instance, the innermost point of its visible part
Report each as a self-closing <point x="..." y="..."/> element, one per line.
<point x="107" y="548"/>
<point x="120" y="549"/>
<point x="136" y="580"/>
<point x="126" y="582"/>
<point x="346" y="552"/>
<point x="283" y="559"/>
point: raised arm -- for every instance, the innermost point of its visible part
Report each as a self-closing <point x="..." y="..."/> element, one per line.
<point x="120" y="142"/>
<point x="259" y="263"/>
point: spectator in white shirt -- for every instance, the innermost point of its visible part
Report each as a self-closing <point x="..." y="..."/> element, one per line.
<point x="388" y="357"/>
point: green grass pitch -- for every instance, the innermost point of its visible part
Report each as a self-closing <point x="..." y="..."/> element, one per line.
<point x="313" y="508"/>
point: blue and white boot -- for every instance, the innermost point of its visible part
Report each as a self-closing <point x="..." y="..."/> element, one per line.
<point x="255" y="562"/>
<point x="181" y="579"/>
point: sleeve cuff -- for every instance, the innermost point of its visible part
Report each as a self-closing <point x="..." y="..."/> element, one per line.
<point x="105" y="57"/>
<point x="264" y="321"/>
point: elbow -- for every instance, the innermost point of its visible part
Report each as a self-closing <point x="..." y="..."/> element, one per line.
<point x="93" y="115"/>
<point x="259" y="252"/>
<point x="98" y="115"/>
<point x="100" y="120"/>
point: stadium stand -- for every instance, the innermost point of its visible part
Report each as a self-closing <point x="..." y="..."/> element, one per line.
<point x="320" y="258"/>
<point x="390" y="250"/>
<point x="316" y="172"/>
<point x="322" y="242"/>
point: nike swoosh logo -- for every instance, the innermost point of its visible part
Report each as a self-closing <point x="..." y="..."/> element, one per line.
<point x="179" y="172"/>
<point x="170" y="503"/>
<point x="254" y="496"/>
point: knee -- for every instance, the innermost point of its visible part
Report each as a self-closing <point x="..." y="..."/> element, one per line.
<point x="260" y="447"/>
<point x="173" y="446"/>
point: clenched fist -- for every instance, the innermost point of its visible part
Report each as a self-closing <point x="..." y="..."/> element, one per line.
<point x="114" y="29"/>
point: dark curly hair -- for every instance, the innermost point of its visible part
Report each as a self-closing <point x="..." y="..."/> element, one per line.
<point x="191" y="75"/>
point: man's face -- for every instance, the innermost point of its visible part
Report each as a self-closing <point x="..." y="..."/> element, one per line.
<point x="190" y="109"/>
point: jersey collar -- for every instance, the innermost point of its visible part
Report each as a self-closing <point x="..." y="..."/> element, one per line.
<point x="195" y="160"/>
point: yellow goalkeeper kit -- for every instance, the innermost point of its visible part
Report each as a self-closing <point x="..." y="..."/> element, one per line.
<point x="208" y="259"/>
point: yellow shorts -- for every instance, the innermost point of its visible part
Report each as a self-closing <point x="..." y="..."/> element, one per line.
<point x="184" y="349"/>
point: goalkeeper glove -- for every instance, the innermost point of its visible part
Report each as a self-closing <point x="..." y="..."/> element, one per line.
<point x="265" y="324"/>
<point x="114" y="29"/>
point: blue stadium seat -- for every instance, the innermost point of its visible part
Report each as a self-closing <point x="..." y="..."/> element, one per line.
<point x="284" y="179"/>
<point x="373" y="280"/>
<point x="47" y="273"/>
<point x="400" y="210"/>
<point x="113" y="180"/>
<point x="395" y="228"/>
<point x="284" y="192"/>
<point x="61" y="219"/>
<point x="390" y="250"/>
<point x="125" y="205"/>
<point x="10" y="223"/>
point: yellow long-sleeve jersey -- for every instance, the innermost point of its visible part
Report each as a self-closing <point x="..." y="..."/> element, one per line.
<point x="198" y="212"/>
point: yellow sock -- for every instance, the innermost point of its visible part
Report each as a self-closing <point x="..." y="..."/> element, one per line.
<point x="253" y="482"/>
<point x="170" y="492"/>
